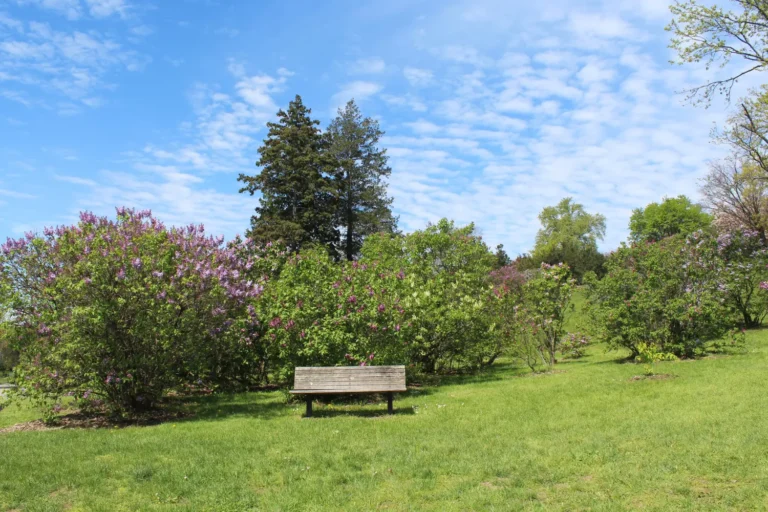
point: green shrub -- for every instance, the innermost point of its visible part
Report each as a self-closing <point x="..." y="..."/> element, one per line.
<point x="120" y="311"/>
<point x="745" y="260"/>
<point x="665" y="293"/>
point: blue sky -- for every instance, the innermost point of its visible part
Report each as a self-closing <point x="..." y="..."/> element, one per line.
<point x="493" y="109"/>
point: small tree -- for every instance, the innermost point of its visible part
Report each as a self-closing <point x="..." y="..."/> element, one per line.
<point x="737" y="195"/>
<point x="445" y="287"/>
<point x="547" y="297"/>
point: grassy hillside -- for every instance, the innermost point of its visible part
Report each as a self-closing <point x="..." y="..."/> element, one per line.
<point x="587" y="437"/>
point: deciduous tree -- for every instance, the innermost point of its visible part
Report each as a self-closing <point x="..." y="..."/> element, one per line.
<point x="673" y="216"/>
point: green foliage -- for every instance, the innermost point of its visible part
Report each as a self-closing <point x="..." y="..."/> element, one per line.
<point x="322" y="313"/>
<point x="502" y="258"/>
<point x="444" y="286"/>
<point x="648" y="354"/>
<point x="667" y="294"/>
<point x="117" y="313"/>
<point x="709" y="34"/>
<point x="359" y="177"/>
<point x="298" y="200"/>
<point x="673" y="216"/>
<point x="569" y="235"/>
<point x="745" y="260"/>
<point x="546" y="300"/>
<point x="530" y="311"/>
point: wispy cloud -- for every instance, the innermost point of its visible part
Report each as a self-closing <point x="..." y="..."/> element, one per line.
<point x="359" y="90"/>
<point x="369" y="66"/>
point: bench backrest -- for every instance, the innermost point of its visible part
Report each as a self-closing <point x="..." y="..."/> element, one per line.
<point x="350" y="379"/>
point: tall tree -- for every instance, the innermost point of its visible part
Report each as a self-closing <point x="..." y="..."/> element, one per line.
<point x="737" y="196"/>
<point x="673" y="216"/>
<point x="360" y="171"/>
<point x="569" y="235"/>
<point x="297" y="203"/>
<point x="709" y="34"/>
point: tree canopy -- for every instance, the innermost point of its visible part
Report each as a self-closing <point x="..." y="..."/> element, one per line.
<point x="569" y="235"/>
<point x="673" y="216"/>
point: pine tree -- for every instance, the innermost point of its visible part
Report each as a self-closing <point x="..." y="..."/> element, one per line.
<point x="297" y="202"/>
<point x="361" y="168"/>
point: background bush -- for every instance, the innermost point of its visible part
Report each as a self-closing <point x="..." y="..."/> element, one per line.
<point x="669" y="294"/>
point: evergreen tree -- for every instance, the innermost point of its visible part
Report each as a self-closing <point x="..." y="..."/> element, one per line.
<point x="502" y="258"/>
<point x="297" y="202"/>
<point x="363" y="205"/>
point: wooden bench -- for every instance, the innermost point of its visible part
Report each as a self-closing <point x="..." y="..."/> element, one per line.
<point x="342" y="380"/>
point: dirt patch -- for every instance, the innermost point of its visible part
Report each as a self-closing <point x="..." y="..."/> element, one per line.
<point x="655" y="376"/>
<point x="83" y="421"/>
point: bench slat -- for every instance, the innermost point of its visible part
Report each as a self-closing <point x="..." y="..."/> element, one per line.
<point x="349" y="379"/>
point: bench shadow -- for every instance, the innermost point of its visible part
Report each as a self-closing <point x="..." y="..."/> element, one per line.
<point x="335" y="413"/>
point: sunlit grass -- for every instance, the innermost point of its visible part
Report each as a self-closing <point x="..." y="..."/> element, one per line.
<point x="586" y="437"/>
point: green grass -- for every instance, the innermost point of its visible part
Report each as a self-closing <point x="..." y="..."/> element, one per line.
<point x="584" y="438"/>
<point x="575" y="319"/>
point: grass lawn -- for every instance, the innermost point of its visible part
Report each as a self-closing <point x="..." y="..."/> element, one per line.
<point x="586" y="437"/>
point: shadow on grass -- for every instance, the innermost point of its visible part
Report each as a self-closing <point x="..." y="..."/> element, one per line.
<point x="367" y="413"/>
<point x="495" y="372"/>
<point x="224" y="406"/>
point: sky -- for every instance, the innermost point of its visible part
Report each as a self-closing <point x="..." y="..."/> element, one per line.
<point x="493" y="109"/>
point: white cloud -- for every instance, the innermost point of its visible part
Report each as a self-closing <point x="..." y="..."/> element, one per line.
<point x="69" y="64"/>
<point x="463" y="55"/>
<point x="69" y="8"/>
<point x="418" y="77"/>
<point x="106" y="8"/>
<point x="227" y="31"/>
<point x="358" y="90"/>
<point x="369" y="66"/>
<point x="174" y="180"/>
<point x="601" y="26"/>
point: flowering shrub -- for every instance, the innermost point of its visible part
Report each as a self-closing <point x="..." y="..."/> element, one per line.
<point x="323" y="313"/>
<point x="665" y="293"/>
<point x="574" y="344"/>
<point x="117" y="312"/>
<point x="745" y="261"/>
<point x="442" y="281"/>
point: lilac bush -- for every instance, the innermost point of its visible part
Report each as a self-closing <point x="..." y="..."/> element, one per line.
<point x="745" y="259"/>
<point x="323" y="313"/>
<point x="116" y="312"/>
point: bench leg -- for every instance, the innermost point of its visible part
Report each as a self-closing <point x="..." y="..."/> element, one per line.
<point x="309" y="407"/>
<point x="390" y="409"/>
